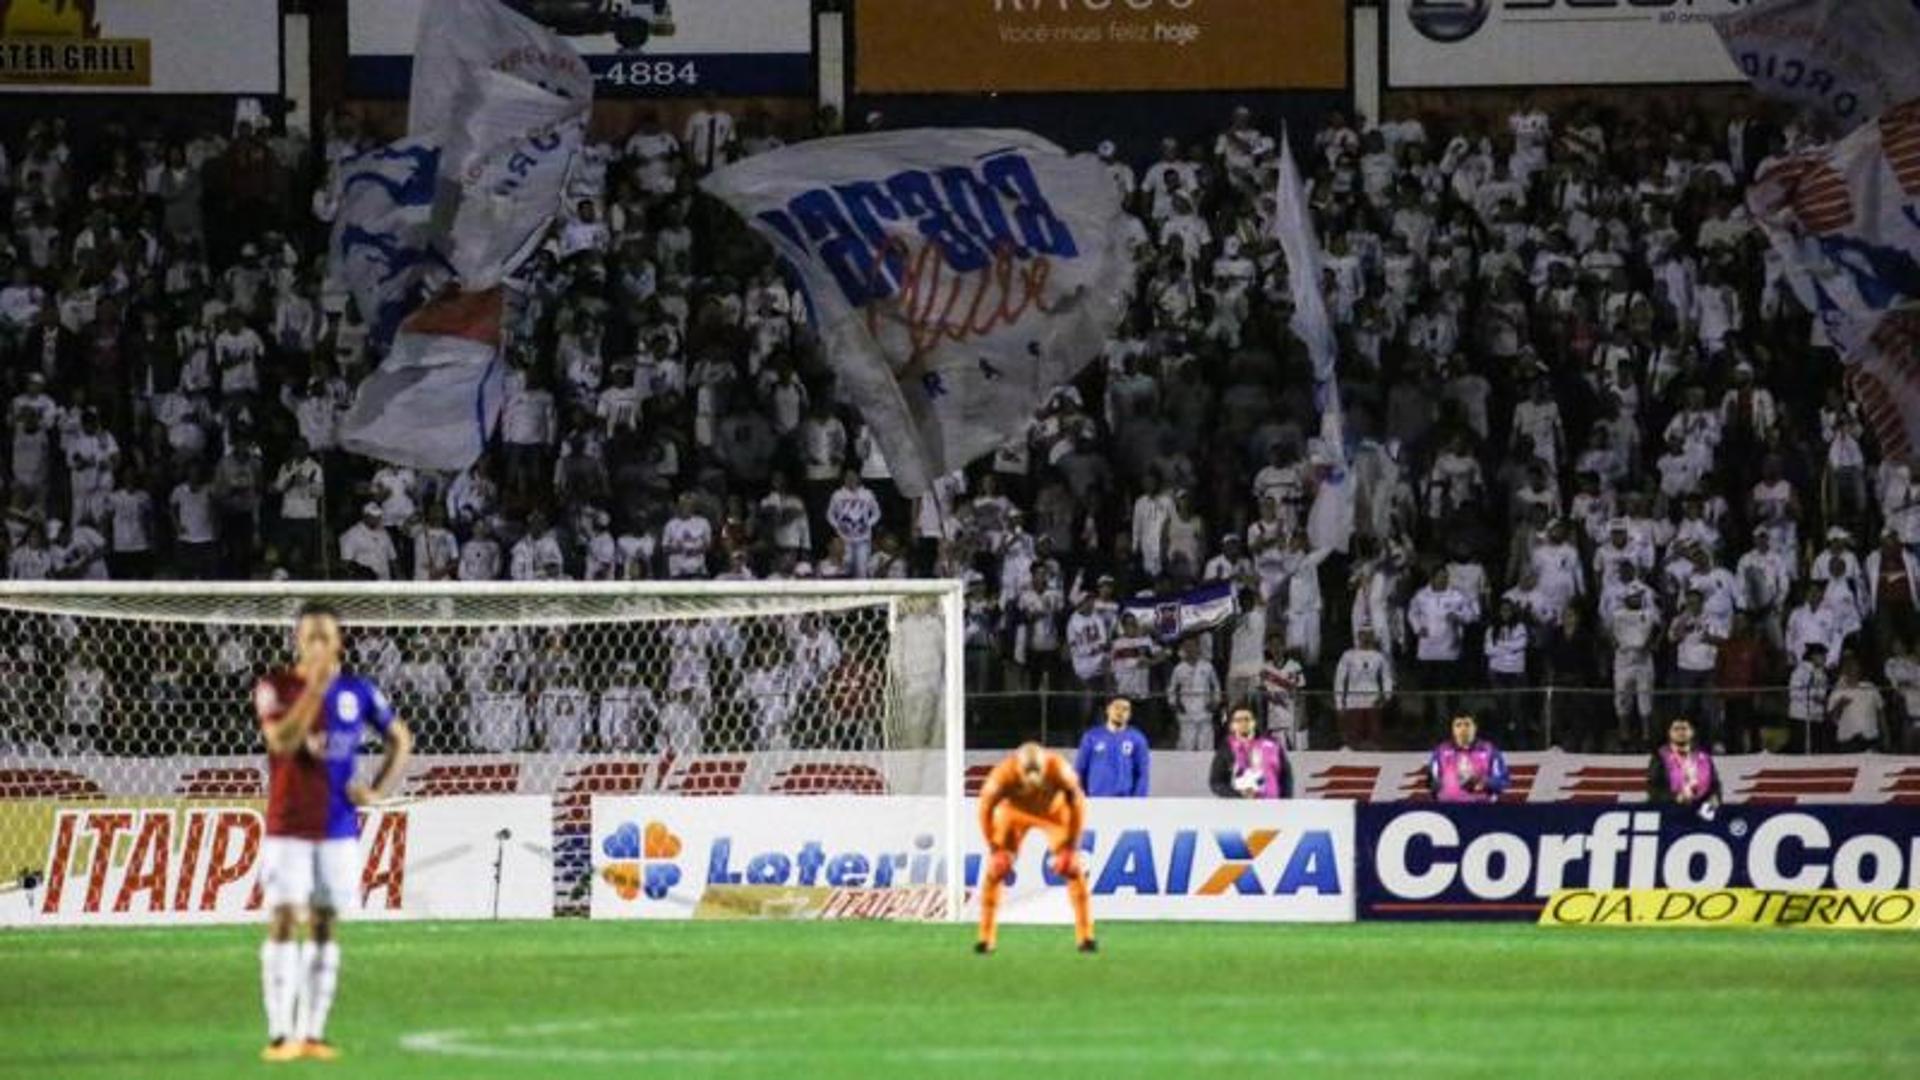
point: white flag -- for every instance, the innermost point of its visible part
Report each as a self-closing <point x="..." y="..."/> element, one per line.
<point x="437" y="396"/>
<point x="506" y="100"/>
<point x="1844" y="221"/>
<point x="1847" y="60"/>
<point x="956" y="276"/>
<point x="380" y="250"/>
<point x="1330" y="519"/>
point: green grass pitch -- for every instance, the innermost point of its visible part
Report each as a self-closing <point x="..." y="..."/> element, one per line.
<point x="477" y="1001"/>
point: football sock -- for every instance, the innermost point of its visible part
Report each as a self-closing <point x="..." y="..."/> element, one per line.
<point x="320" y="974"/>
<point x="990" y="910"/>
<point x="1082" y="908"/>
<point x="279" y="982"/>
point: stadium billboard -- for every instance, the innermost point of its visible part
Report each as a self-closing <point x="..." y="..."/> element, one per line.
<point x="1505" y="862"/>
<point x="176" y="862"/>
<point x="1474" y="43"/>
<point x="635" y="48"/>
<point x="842" y="857"/>
<point x="134" y="47"/>
<point x="1054" y="46"/>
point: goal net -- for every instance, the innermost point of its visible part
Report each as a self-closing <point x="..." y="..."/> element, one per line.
<point x="138" y="695"/>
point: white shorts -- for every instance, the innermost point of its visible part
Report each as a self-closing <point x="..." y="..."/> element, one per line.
<point x="309" y="873"/>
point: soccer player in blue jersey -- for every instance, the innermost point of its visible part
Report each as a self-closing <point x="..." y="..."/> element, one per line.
<point x="314" y="716"/>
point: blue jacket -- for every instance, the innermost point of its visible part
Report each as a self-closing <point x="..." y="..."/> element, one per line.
<point x="1113" y="764"/>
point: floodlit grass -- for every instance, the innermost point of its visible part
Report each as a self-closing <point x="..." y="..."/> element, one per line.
<point x="577" y="999"/>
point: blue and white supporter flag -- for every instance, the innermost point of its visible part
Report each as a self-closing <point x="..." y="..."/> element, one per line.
<point x="429" y="226"/>
<point x="1845" y="60"/>
<point x="1168" y="618"/>
<point x="957" y="276"/>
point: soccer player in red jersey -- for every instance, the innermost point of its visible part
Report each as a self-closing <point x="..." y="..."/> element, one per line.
<point x="1033" y="789"/>
<point x="313" y="717"/>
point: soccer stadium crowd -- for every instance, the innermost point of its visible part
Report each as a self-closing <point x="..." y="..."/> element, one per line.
<point x="1595" y="444"/>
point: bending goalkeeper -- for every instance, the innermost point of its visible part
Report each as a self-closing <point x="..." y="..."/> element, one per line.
<point x="1033" y="789"/>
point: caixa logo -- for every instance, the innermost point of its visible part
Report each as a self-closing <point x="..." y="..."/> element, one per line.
<point x="1423" y="855"/>
<point x="1210" y="862"/>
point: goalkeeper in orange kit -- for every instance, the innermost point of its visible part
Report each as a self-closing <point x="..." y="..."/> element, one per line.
<point x="1033" y="789"/>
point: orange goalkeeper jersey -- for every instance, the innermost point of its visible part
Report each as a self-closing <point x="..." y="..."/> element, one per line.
<point x="1056" y="801"/>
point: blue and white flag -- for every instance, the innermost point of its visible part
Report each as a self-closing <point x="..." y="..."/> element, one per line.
<point x="1846" y="60"/>
<point x="1844" y="221"/>
<point x="435" y="399"/>
<point x="498" y="112"/>
<point x="957" y="277"/>
<point x="506" y="101"/>
<point x="1167" y="618"/>
<point x="381" y="250"/>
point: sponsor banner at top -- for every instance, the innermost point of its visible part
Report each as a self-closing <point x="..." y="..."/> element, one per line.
<point x="1447" y="43"/>
<point x="635" y="48"/>
<point x="134" y="47"/>
<point x="1051" y="46"/>
<point x="1507" y="862"/>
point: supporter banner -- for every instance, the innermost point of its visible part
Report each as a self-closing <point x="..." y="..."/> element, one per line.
<point x="1843" y="59"/>
<point x="178" y="861"/>
<point x="1499" y="862"/>
<point x="437" y="395"/>
<point x="139" y="46"/>
<point x="1179" y="614"/>
<point x="969" y="46"/>
<point x="1757" y="779"/>
<point x="1844" y="220"/>
<point x="854" y="858"/>
<point x="957" y="276"/>
<point x="1448" y="43"/>
<point x="1819" y="909"/>
<point x="635" y="48"/>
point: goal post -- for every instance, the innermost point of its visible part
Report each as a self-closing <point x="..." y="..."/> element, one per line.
<point x="136" y="695"/>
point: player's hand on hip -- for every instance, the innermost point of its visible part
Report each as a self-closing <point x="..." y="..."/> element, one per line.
<point x="360" y="794"/>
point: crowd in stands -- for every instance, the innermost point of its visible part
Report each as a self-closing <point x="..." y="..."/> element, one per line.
<point x="1595" y="444"/>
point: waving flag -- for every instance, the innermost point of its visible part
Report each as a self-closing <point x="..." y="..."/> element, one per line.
<point x="506" y="100"/>
<point x="1846" y="60"/>
<point x="1330" y="520"/>
<point x="436" y="398"/>
<point x="956" y="276"/>
<point x="1844" y="220"/>
<point x="1176" y="615"/>
<point x="498" y="112"/>
<point x="381" y="249"/>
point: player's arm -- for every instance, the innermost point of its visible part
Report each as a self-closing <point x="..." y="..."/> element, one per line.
<point x="992" y="794"/>
<point x="398" y="742"/>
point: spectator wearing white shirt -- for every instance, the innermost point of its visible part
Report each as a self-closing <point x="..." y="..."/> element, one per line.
<point x="1193" y="693"/>
<point x="301" y="485"/>
<point x="853" y="512"/>
<point x="683" y="720"/>
<point x="1439" y="615"/>
<point x="1362" y="691"/>
<point x="529" y="431"/>
<point x="497" y="717"/>
<point x="537" y="556"/>
<point x="1152" y="513"/>
<point x="1508" y="647"/>
<point x="686" y="537"/>
<point x="130" y="528"/>
<point x="561" y="713"/>
<point x="709" y="137"/>
<point x="366" y="548"/>
<point x="1635" y="631"/>
<point x="783" y="518"/>
<point x="1856" y="710"/>
<point x="480" y="555"/>
<point x="195" y="528"/>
